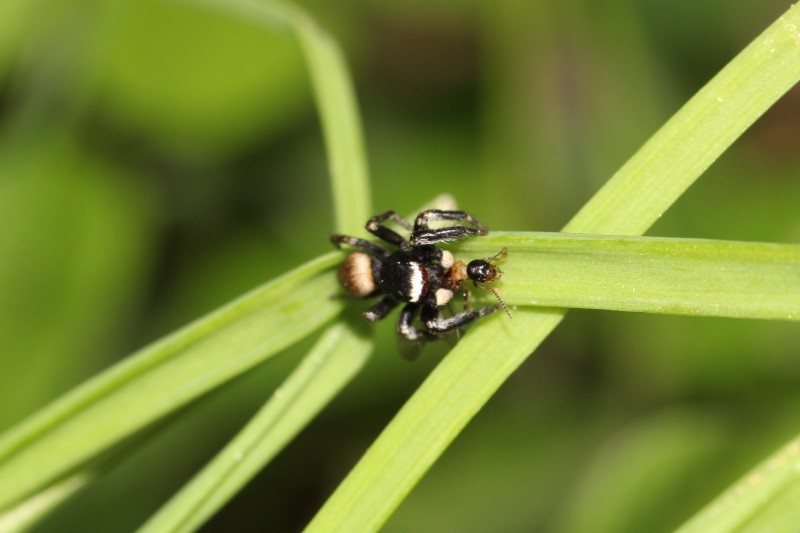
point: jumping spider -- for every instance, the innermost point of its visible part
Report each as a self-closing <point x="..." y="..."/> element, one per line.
<point x="418" y="274"/>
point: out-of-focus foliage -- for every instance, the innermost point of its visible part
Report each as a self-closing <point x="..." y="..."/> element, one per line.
<point x="75" y="255"/>
<point x="158" y="159"/>
<point x="199" y="82"/>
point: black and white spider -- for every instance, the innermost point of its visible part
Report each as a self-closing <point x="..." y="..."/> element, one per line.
<point x="418" y="274"/>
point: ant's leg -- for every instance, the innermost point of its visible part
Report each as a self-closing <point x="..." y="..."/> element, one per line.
<point x="370" y="248"/>
<point x="422" y="234"/>
<point x="467" y="299"/>
<point x="439" y="326"/>
<point x="380" y="309"/>
<point x="375" y="226"/>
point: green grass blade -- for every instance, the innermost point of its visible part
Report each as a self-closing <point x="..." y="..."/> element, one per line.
<point x="108" y="409"/>
<point x="340" y="352"/>
<point x="629" y="204"/>
<point x="163" y="377"/>
<point x="30" y="511"/>
<point x="341" y="127"/>
<point x="458" y="387"/>
<point x="330" y="80"/>
<point x="763" y="500"/>
<point x="697" y="135"/>
<point x="647" y="274"/>
<point x="335" y="359"/>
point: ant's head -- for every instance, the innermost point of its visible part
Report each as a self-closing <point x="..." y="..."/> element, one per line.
<point x="482" y="271"/>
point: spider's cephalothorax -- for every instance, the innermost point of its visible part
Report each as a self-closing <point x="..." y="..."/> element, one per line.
<point x="418" y="274"/>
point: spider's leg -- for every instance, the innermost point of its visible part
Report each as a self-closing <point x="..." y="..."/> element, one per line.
<point x="410" y="340"/>
<point x="380" y="309"/>
<point x="369" y="248"/>
<point x="406" y="328"/>
<point x="394" y="217"/>
<point x="449" y="234"/>
<point x="422" y="233"/>
<point x="376" y="227"/>
<point x="421" y="223"/>
<point x="439" y="326"/>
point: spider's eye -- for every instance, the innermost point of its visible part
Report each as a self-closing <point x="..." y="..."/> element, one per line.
<point x="480" y="270"/>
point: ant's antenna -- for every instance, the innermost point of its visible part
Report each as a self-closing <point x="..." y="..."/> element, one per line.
<point x="497" y="295"/>
<point x="499" y="256"/>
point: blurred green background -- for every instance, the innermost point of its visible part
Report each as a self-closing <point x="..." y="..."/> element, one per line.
<point x="158" y="159"/>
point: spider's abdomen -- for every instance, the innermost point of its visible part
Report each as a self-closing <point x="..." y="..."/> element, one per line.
<point x="355" y="274"/>
<point x="403" y="278"/>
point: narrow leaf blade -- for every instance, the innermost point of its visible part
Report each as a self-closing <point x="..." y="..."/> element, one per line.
<point x="647" y="274"/>
<point x="333" y="361"/>
<point x="763" y="500"/>
<point x="163" y="377"/>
